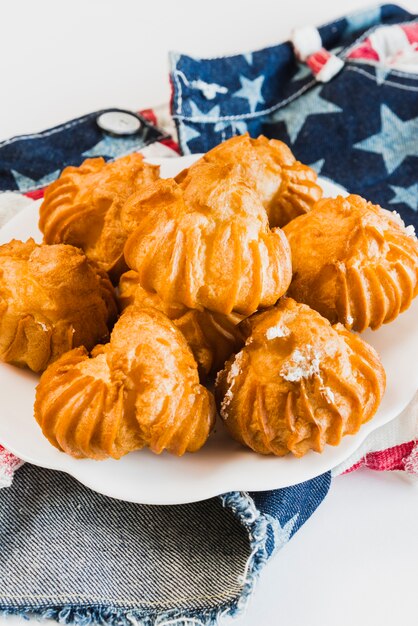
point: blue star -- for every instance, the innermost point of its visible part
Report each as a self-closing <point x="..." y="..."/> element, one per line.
<point x="361" y="20"/>
<point x="396" y="140"/>
<point x="25" y="183"/>
<point x="251" y="91"/>
<point x="248" y="56"/>
<point x="114" y="147"/>
<point x="405" y="195"/>
<point x="295" y="114"/>
<point x="318" y="165"/>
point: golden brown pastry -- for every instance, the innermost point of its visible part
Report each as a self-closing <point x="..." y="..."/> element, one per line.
<point x="140" y="390"/>
<point x="207" y="243"/>
<point x="83" y="206"/>
<point x="52" y="299"/>
<point x="354" y="262"/>
<point x="287" y="188"/>
<point x="299" y="383"/>
<point x="212" y="337"/>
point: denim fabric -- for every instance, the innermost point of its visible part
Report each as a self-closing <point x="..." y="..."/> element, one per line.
<point x="33" y="161"/>
<point x="360" y="129"/>
<point x="77" y="556"/>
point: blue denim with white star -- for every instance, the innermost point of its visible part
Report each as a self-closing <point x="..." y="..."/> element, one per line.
<point x="73" y="555"/>
<point x="360" y="129"/>
<point x="31" y="162"/>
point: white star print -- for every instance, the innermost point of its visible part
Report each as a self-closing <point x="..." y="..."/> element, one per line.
<point x="251" y="91"/>
<point x="281" y="534"/>
<point x="237" y="126"/>
<point x="381" y="73"/>
<point x="318" y="165"/>
<point x="187" y="133"/>
<point x="295" y="114"/>
<point x="248" y="56"/>
<point x="113" y="147"/>
<point x="405" y="195"/>
<point x="302" y="72"/>
<point x="25" y="183"/>
<point x="396" y="140"/>
<point x="213" y="114"/>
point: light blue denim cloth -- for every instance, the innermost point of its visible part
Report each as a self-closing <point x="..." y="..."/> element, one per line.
<point x="76" y="556"/>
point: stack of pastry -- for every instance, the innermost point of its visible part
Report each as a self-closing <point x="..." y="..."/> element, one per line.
<point x="235" y="268"/>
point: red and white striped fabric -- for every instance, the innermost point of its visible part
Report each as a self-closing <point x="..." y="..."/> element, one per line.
<point x="393" y="447"/>
<point x="308" y="48"/>
<point x="395" y="47"/>
<point x="9" y="463"/>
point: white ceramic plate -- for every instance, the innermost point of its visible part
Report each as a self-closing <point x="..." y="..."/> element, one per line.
<point x="222" y="465"/>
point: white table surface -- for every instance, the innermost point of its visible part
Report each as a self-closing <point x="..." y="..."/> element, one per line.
<point x="355" y="561"/>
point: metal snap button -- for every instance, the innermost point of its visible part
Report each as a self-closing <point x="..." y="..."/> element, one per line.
<point x="119" y="123"/>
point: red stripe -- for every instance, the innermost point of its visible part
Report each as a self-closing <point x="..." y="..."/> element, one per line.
<point x="364" y="51"/>
<point x="317" y="60"/>
<point x="149" y="115"/>
<point x="385" y="460"/>
<point x="36" y="194"/>
<point x="411" y="31"/>
<point x="170" y="143"/>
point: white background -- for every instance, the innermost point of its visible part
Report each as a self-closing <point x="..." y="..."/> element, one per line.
<point x="355" y="561"/>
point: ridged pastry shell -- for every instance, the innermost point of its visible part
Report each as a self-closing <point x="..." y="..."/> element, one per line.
<point x="212" y="337"/>
<point x="83" y="206"/>
<point x="354" y="262"/>
<point x="208" y="243"/>
<point x="52" y="299"/>
<point x="286" y="187"/>
<point x="299" y="383"/>
<point x="140" y="390"/>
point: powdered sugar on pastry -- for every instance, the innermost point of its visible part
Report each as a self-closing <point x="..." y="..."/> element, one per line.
<point x="277" y="331"/>
<point x="410" y="231"/>
<point x="398" y="218"/>
<point x="234" y="370"/>
<point x="328" y="394"/>
<point x="301" y="365"/>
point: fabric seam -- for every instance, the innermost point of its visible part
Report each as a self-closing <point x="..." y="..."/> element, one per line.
<point x="205" y="120"/>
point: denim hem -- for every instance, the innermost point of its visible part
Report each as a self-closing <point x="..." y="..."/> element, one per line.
<point x="108" y="616"/>
<point x="257" y="526"/>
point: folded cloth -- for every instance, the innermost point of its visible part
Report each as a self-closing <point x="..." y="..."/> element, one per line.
<point x="80" y="557"/>
<point x="70" y="144"/>
<point x="344" y="97"/>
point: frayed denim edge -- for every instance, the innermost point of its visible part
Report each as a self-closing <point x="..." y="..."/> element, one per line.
<point x="242" y="505"/>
